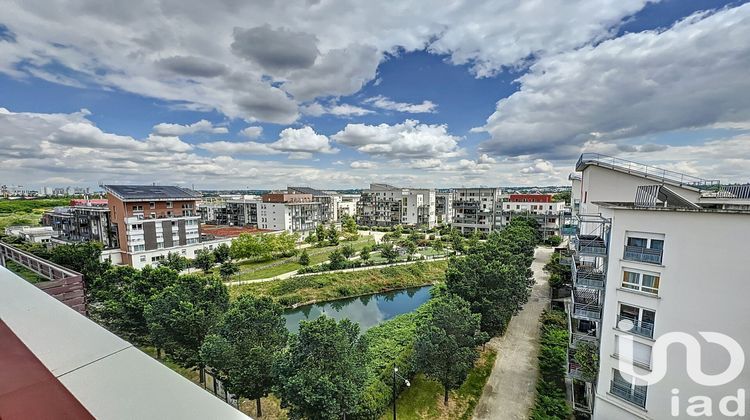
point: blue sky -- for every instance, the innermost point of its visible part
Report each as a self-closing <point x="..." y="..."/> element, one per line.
<point x="499" y="94"/>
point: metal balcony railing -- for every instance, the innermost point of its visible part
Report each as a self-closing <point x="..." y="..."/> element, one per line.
<point x="579" y="337"/>
<point x="646" y="171"/>
<point x="590" y="278"/>
<point x="569" y="230"/>
<point x="635" y="395"/>
<point x="642" y="328"/>
<point x="591" y="245"/>
<point x="574" y="371"/>
<point x="642" y="254"/>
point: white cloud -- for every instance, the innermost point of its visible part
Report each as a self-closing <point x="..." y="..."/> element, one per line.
<point x="252" y="132"/>
<point x="409" y="139"/>
<point x="361" y="164"/>
<point x="300" y="143"/>
<point x="688" y="76"/>
<point x="258" y="61"/>
<point x="202" y="126"/>
<point x="384" y="103"/>
<point x="340" y="110"/>
<point x="540" y="166"/>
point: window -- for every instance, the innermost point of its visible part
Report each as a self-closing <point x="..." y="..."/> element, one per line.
<point x="639" y="354"/>
<point x="137" y="208"/>
<point x="153" y="215"/>
<point x="169" y="204"/>
<point x="627" y="390"/>
<point x="643" y="282"/>
<point x="152" y="205"/>
<point x="640" y="321"/>
<point x="143" y="258"/>
<point x="644" y="250"/>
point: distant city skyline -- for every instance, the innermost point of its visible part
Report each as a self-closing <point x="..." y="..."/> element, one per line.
<point x="229" y="95"/>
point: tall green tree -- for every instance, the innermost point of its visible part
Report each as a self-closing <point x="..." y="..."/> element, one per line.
<point x="388" y="252"/>
<point x="175" y="261"/>
<point x="227" y="269"/>
<point x="323" y="372"/>
<point x="247" y="246"/>
<point x="204" y="260"/>
<point x="336" y="260"/>
<point x="83" y="258"/>
<point x="349" y="224"/>
<point x="364" y="253"/>
<point x="222" y="253"/>
<point x="447" y="340"/>
<point x="121" y="295"/>
<point x="304" y="258"/>
<point x="333" y="235"/>
<point x="348" y="251"/>
<point x="245" y="345"/>
<point x="320" y="233"/>
<point x="180" y="316"/>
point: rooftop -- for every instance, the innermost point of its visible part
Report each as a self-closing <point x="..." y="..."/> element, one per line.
<point x="151" y="192"/>
<point x="307" y="190"/>
<point x="83" y="368"/>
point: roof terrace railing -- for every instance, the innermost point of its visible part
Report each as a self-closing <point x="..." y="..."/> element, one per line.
<point x="644" y="170"/>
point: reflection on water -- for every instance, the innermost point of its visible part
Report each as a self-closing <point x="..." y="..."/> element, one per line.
<point x="368" y="311"/>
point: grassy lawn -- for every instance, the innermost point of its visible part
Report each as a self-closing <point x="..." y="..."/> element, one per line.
<point x="424" y="399"/>
<point x="24" y="272"/>
<point x="322" y="287"/>
<point x="256" y="270"/>
<point x="26" y="212"/>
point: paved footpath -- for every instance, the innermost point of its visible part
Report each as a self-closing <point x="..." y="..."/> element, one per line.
<point x="510" y="389"/>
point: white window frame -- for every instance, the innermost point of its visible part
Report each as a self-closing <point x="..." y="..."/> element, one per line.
<point x="638" y="285"/>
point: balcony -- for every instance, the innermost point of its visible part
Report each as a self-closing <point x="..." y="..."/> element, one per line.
<point x="643" y="254"/>
<point x="580" y="337"/>
<point x="590" y="278"/>
<point x="586" y="305"/>
<point x="569" y="230"/>
<point x="591" y="245"/>
<point x="574" y="371"/>
<point x="634" y="395"/>
<point x="641" y="328"/>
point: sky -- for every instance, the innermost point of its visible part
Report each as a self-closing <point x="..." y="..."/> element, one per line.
<point x="336" y="94"/>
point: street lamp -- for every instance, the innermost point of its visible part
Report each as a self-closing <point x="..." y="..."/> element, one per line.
<point x="406" y="381"/>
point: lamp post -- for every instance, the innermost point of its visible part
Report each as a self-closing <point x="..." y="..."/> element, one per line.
<point x="406" y="381"/>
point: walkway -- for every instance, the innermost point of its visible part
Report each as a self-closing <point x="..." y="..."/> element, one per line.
<point x="510" y="389"/>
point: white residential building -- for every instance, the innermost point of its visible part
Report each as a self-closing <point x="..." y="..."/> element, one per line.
<point x="291" y="211"/>
<point x="476" y="209"/>
<point x="656" y="252"/>
<point x="444" y="211"/>
<point x="539" y="206"/>
<point x="386" y="205"/>
<point x="36" y="234"/>
<point x="348" y="205"/>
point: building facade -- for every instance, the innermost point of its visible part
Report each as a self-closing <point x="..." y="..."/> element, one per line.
<point x="655" y="253"/>
<point x="476" y="209"/>
<point x="387" y="205"/>
<point x="291" y="211"/>
<point x="541" y="207"/>
<point x="82" y="221"/>
<point x="152" y="221"/>
<point x="444" y="210"/>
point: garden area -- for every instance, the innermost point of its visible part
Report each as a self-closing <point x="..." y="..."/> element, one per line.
<point x="26" y="212"/>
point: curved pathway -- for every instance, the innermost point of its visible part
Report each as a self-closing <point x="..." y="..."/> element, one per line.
<point x="510" y="389"/>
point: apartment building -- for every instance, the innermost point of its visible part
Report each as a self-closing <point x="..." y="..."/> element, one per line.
<point x="476" y="209"/>
<point x="387" y="205"/>
<point x="328" y="206"/>
<point x="213" y="211"/>
<point x="82" y="221"/>
<point x="348" y="205"/>
<point x="538" y="206"/>
<point x="655" y="252"/>
<point x="444" y="211"/>
<point x="151" y="221"/>
<point x="291" y="211"/>
<point x="39" y="235"/>
<point x="242" y="212"/>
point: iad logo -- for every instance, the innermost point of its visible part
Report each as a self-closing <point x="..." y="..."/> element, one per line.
<point x="699" y="406"/>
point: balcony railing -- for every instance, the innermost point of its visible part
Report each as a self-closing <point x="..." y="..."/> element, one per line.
<point x="646" y="171"/>
<point x="569" y="230"/>
<point x="590" y="278"/>
<point x="642" y="328"/>
<point x="580" y="337"/>
<point x="591" y="245"/>
<point x="635" y="395"/>
<point x="574" y="371"/>
<point x="642" y="254"/>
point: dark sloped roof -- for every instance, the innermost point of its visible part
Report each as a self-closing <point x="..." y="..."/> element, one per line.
<point x="307" y="190"/>
<point x="151" y="192"/>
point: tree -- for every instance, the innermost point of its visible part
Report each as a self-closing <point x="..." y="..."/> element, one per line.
<point x="204" y="260"/>
<point x="121" y="295"/>
<point x="388" y="252"/>
<point x="286" y="243"/>
<point x="222" y="253"/>
<point x="320" y="233"/>
<point x="175" y="261"/>
<point x="247" y="246"/>
<point x="333" y="236"/>
<point x="457" y="242"/>
<point x="364" y="253"/>
<point x="227" y="269"/>
<point x="411" y="248"/>
<point x="336" y="260"/>
<point x="245" y="345"/>
<point x="323" y="372"/>
<point x="563" y="196"/>
<point x="437" y="245"/>
<point x="83" y="258"/>
<point x="348" y="251"/>
<point x="304" y="258"/>
<point x="180" y="316"/>
<point x="349" y="225"/>
<point x="446" y="343"/>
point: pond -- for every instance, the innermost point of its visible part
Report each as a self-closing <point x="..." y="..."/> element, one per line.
<point x="367" y="311"/>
